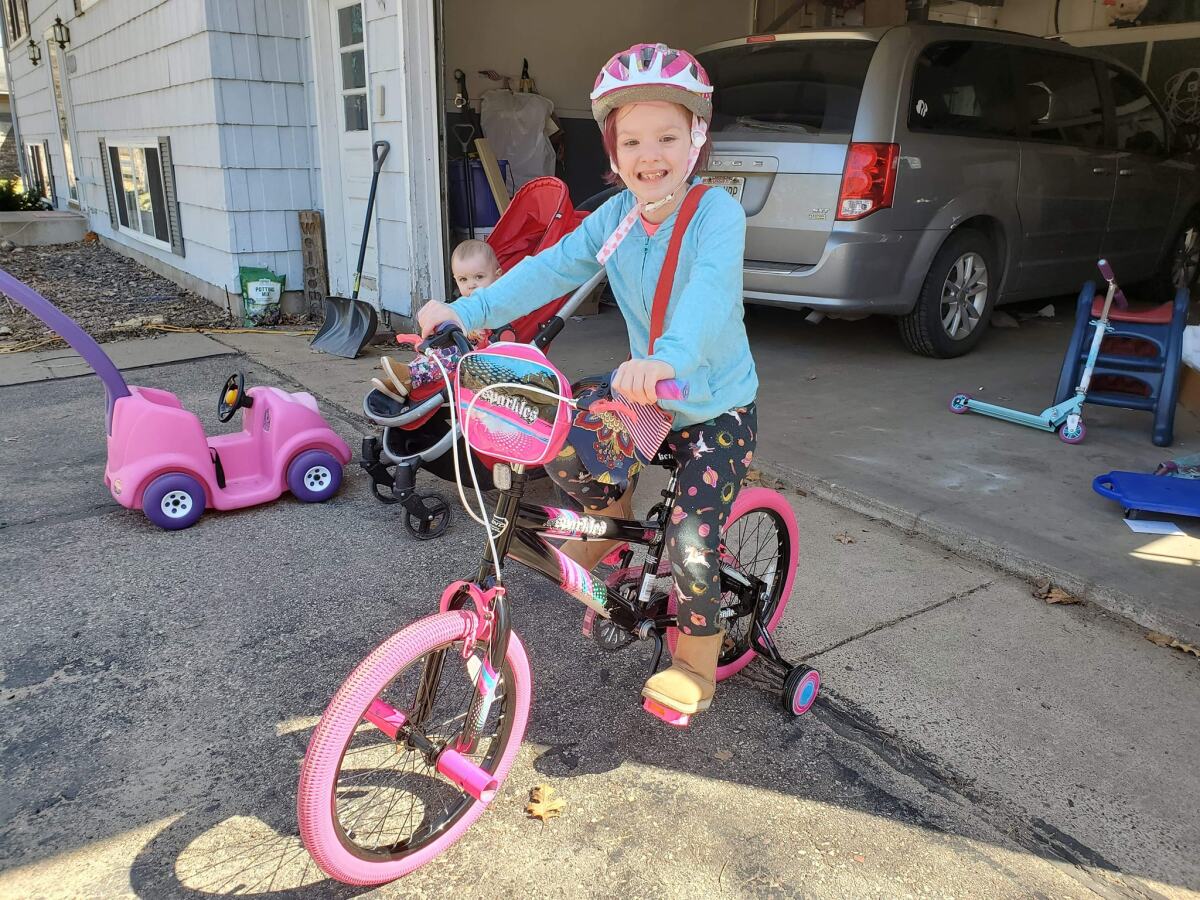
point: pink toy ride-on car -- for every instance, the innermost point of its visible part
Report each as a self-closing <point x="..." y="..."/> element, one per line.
<point x="161" y="461"/>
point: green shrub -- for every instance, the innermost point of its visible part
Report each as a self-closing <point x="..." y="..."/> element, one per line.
<point x="14" y="199"/>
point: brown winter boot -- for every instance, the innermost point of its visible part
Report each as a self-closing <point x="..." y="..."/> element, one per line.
<point x="589" y="553"/>
<point x="687" y="687"/>
<point x="397" y="374"/>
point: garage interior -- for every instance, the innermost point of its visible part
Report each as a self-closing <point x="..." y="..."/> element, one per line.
<point x="564" y="49"/>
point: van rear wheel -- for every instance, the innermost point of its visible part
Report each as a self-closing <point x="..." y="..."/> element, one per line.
<point x="956" y="300"/>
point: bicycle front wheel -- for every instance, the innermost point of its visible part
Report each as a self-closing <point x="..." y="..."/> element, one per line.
<point x="372" y="807"/>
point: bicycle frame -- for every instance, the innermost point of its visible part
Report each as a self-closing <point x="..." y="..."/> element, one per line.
<point x="520" y="528"/>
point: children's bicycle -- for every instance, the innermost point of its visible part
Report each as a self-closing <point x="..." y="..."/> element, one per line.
<point x="418" y="740"/>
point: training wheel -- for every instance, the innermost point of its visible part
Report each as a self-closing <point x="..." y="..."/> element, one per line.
<point x="1069" y="435"/>
<point x="433" y="522"/>
<point x="958" y="403"/>
<point x="800" y="689"/>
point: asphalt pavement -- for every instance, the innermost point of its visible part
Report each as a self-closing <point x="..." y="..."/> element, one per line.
<point x="158" y="690"/>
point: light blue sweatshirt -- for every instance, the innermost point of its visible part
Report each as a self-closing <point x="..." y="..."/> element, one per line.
<point x="704" y="338"/>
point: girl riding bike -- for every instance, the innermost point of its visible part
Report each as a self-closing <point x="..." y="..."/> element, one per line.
<point x="653" y="105"/>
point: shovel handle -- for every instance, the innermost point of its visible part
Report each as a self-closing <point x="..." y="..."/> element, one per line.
<point x="379" y="152"/>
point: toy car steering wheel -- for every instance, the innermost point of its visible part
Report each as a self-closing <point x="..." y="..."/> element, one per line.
<point x="233" y="397"/>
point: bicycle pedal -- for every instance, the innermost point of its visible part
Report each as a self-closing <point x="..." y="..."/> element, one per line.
<point x="671" y="716"/>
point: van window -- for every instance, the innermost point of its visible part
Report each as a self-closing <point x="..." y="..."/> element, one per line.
<point x="964" y="87"/>
<point x="788" y="88"/>
<point x="1140" y="126"/>
<point x="1062" y="98"/>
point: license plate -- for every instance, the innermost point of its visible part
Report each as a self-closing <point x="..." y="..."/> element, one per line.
<point x="731" y="183"/>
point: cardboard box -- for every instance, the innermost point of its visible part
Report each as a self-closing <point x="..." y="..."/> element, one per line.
<point x="1189" y="389"/>
<point x="884" y="12"/>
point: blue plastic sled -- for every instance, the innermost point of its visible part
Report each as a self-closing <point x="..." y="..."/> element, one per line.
<point x="1137" y="491"/>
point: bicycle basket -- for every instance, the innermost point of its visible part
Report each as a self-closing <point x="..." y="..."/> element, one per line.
<point x="519" y="423"/>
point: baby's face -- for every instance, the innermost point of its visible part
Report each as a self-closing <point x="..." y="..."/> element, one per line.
<point x="473" y="274"/>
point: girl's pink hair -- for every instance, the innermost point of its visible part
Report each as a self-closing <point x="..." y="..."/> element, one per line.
<point x="609" y="137"/>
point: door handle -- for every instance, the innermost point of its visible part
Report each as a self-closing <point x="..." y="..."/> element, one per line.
<point x="1125" y="171"/>
<point x="1099" y="170"/>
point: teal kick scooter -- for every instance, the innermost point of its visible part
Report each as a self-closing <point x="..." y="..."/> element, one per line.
<point x="1067" y="417"/>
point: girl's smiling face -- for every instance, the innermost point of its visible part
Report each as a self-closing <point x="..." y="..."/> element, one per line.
<point x="653" y="143"/>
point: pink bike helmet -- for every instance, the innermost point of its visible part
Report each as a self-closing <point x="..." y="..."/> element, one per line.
<point x="647" y="72"/>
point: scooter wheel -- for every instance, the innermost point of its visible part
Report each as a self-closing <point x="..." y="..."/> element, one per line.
<point x="435" y="520"/>
<point x="1069" y="435"/>
<point x="800" y="689"/>
<point x="958" y="403"/>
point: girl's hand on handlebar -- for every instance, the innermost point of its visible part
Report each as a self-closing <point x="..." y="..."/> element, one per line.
<point x="435" y="313"/>
<point x="636" y="378"/>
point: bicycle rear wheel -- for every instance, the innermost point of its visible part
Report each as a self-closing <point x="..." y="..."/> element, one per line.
<point x="760" y="540"/>
<point x="372" y="808"/>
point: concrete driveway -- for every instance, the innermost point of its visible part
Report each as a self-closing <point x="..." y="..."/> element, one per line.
<point x="158" y="690"/>
<point x="848" y="414"/>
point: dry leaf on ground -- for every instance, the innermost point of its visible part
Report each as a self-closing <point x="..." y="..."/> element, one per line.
<point x="1165" y="640"/>
<point x="1044" y="590"/>
<point x="543" y="804"/>
<point x="843" y="538"/>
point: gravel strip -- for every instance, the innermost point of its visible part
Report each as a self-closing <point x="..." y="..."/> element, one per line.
<point x="108" y="294"/>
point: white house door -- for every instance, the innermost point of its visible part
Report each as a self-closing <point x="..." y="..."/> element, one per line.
<point x="353" y="113"/>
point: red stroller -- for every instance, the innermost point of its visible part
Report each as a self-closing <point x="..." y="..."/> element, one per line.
<point x="416" y="433"/>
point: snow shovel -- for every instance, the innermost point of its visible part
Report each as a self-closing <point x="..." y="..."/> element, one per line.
<point x="349" y="324"/>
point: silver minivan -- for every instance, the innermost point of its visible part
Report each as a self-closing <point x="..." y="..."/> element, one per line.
<point x="933" y="171"/>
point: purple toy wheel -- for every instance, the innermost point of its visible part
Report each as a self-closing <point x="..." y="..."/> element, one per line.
<point x="800" y="689"/>
<point x="1069" y="435"/>
<point x="958" y="403"/>
<point x="173" y="501"/>
<point x="314" y="476"/>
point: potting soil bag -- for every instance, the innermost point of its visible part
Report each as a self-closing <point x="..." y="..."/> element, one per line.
<point x="261" y="292"/>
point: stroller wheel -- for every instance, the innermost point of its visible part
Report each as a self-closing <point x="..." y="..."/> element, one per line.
<point x="432" y="522"/>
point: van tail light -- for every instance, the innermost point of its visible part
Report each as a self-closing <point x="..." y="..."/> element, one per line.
<point x="868" y="180"/>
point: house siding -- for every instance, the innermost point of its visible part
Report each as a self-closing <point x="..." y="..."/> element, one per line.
<point x="136" y="70"/>
<point x="257" y="57"/>
<point x="231" y="82"/>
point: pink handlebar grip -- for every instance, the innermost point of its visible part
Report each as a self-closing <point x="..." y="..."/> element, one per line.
<point x="475" y="781"/>
<point x="671" y="389"/>
<point x="1106" y="270"/>
<point x="1119" y="300"/>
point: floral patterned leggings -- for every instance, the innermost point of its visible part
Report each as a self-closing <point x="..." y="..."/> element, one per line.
<point x="713" y="458"/>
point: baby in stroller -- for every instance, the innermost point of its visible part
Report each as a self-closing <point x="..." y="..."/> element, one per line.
<point x="416" y="423"/>
<point x="474" y="265"/>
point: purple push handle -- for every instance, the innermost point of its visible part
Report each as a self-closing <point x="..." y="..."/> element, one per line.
<point x="670" y="389"/>
<point x="66" y="328"/>
<point x="1107" y="272"/>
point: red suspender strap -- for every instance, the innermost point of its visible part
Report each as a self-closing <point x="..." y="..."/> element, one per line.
<point x="666" y="278"/>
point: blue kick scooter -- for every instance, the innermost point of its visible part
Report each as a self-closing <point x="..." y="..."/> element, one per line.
<point x="1067" y="417"/>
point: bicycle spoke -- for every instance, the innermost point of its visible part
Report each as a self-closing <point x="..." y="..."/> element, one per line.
<point x="388" y="798"/>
